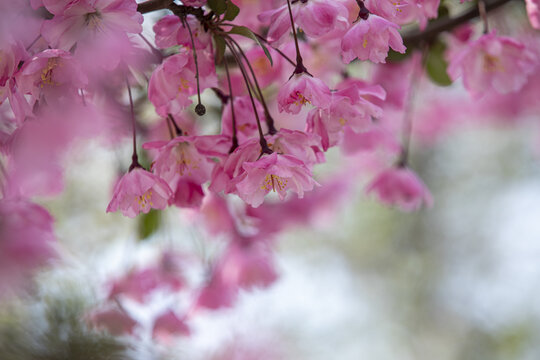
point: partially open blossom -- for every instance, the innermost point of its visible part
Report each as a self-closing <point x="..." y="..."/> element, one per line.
<point x="401" y="187"/>
<point x="302" y="90"/>
<point x="493" y="62"/>
<point x="139" y="191"/>
<point x="277" y="173"/>
<point x="246" y="122"/>
<point x="371" y="39"/>
<point x="302" y="145"/>
<point x="173" y="82"/>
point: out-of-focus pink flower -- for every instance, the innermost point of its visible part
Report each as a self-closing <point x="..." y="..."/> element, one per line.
<point x="52" y="74"/>
<point x="349" y="109"/>
<point x="371" y="39"/>
<point x="493" y="62"/>
<point x="216" y="294"/>
<point x="26" y="239"/>
<point x="401" y="187"/>
<point x="173" y="82"/>
<point x="139" y="191"/>
<point x="301" y="90"/>
<point x="533" y="10"/>
<point x="170" y="32"/>
<point x="247" y="263"/>
<point x="315" y="17"/>
<point x="139" y="284"/>
<point x="274" y="172"/>
<point x="114" y="320"/>
<point x="187" y="194"/>
<point x="168" y="325"/>
<point x="188" y="157"/>
<point x="405" y="11"/>
<point x="246" y="123"/>
<point x="302" y="145"/>
<point x="225" y="177"/>
<point x="89" y="20"/>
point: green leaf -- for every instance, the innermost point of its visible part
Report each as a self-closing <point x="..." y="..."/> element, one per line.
<point x="148" y="224"/>
<point x="232" y="11"/>
<point x="218" y="6"/>
<point x="220" y="48"/>
<point x="394" y="56"/>
<point x="436" y="64"/>
<point x="246" y="32"/>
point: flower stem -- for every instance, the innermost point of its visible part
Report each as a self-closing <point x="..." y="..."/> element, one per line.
<point x="483" y="14"/>
<point x="134" y="157"/>
<point x="300" y="68"/>
<point x="199" y="109"/>
<point x="264" y="145"/>
<point x="231" y="99"/>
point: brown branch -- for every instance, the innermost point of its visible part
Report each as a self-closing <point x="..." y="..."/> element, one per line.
<point x="415" y="37"/>
<point x="153" y="5"/>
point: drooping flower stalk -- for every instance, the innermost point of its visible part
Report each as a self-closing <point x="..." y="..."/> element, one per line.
<point x="264" y="145"/>
<point x="269" y="120"/>
<point x="134" y="157"/>
<point x="300" y="68"/>
<point x="199" y="109"/>
<point x="179" y="131"/>
<point x="483" y="15"/>
<point x="231" y="99"/>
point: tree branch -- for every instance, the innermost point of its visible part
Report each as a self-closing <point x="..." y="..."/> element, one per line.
<point x="153" y="5"/>
<point x="415" y="37"/>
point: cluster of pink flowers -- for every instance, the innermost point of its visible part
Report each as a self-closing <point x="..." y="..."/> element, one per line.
<point x="286" y="98"/>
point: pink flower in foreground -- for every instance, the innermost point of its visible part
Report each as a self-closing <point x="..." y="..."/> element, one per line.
<point x="533" y="10"/>
<point x="52" y="73"/>
<point x="399" y="186"/>
<point x="301" y="90"/>
<point x="26" y="236"/>
<point x="493" y="62"/>
<point x="89" y="20"/>
<point x="277" y="173"/>
<point x="371" y="39"/>
<point x="139" y="191"/>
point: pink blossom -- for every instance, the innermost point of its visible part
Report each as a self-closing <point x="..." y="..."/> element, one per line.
<point x="226" y="175"/>
<point x="247" y="263"/>
<point x="405" y="11"/>
<point x="349" y="109"/>
<point x="493" y="63"/>
<point x="170" y="32"/>
<point x="187" y="157"/>
<point x="139" y="190"/>
<point x="300" y="90"/>
<point x="533" y="10"/>
<point x="277" y="173"/>
<point x="26" y="239"/>
<point x="52" y="74"/>
<point x="89" y="20"/>
<point x="246" y="123"/>
<point x="371" y="39"/>
<point x="187" y="194"/>
<point x="173" y="82"/>
<point x="315" y="17"/>
<point x="168" y="325"/>
<point x="139" y="284"/>
<point x="399" y="186"/>
<point x="302" y="145"/>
